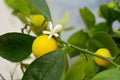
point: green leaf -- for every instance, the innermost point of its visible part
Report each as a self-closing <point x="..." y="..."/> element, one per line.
<point x="109" y="14"/>
<point x="76" y="71"/>
<point x="93" y="45"/>
<point x="11" y="3"/>
<point x="78" y="39"/>
<point x="23" y="7"/>
<point x="102" y="26"/>
<point x="22" y="18"/>
<point x="88" y="17"/>
<point x="106" y="40"/>
<point x="91" y="68"/>
<point x="117" y="40"/>
<point x="47" y="67"/>
<point x="64" y="19"/>
<point x="15" y="47"/>
<point x="110" y="74"/>
<point x="117" y="59"/>
<point x="42" y="7"/>
<point x="82" y="69"/>
<point x="19" y="5"/>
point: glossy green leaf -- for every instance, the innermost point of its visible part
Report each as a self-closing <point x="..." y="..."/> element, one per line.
<point x="11" y="3"/>
<point x="109" y="14"/>
<point x="78" y="39"/>
<point x="23" y="7"/>
<point x="102" y="26"/>
<point x="106" y="40"/>
<point x="117" y="40"/>
<point x="117" y="3"/>
<point x="76" y="71"/>
<point x="93" y="45"/>
<point x="47" y="67"/>
<point x="22" y="18"/>
<point x="91" y="68"/>
<point x="82" y="69"/>
<point x="87" y="17"/>
<point x="19" y="6"/>
<point x="42" y="7"/>
<point x="15" y="47"/>
<point x="110" y="74"/>
<point x="117" y="59"/>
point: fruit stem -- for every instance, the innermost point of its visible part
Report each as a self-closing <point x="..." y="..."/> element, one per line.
<point x="22" y="68"/>
<point x="2" y="77"/>
<point x="91" y="53"/>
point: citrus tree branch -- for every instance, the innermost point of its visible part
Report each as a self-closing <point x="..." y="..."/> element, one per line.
<point x="22" y="68"/>
<point x="90" y="52"/>
<point x="2" y="77"/>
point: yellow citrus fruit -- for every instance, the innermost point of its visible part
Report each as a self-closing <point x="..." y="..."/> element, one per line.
<point x="38" y="24"/>
<point x="42" y="45"/>
<point x="37" y="20"/>
<point x="103" y="52"/>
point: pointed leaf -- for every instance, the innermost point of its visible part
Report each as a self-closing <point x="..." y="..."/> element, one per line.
<point x="88" y="17"/>
<point x="109" y="14"/>
<point x="91" y="68"/>
<point x="94" y="45"/>
<point x="22" y="18"/>
<point x="47" y="67"/>
<point x="15" y="47"/>
<point x="76" y="71"/>
<point x="110" y="74"/>
<point x="42" y="7"/>
<point x="11" y="3"/>
<point x="82" y="69"/>
<point x="102" y="26"/>
<point x="107" y="42"/>
<point x="63" y="21"/>
<point x="22" y="6"/>
<point x="78" y="39"/>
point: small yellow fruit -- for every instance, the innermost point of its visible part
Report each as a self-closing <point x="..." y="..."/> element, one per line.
<point x="42" y="45"/>
<point x="37" y="20"/>
<point x="39" y="24"/>
<point x="103" y="52"/>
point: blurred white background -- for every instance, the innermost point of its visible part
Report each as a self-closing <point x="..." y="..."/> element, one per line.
<point x="10" y="23"/>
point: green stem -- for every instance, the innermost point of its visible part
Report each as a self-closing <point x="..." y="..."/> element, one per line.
<point x="91" y="53"/>
<point x="12" y="75"/>
<point x="22" y="68"/>
<point x="25" y="27"/>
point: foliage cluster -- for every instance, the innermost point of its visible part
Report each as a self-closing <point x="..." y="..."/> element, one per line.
<point x="16" y="47"/>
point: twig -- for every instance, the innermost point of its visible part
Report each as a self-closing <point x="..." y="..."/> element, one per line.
<point x="91" y="53"/>
<point x="2" y="77"/>
<point x="25" y="27"/>
<point x="22" y="68"/>
<point x="12" y="75"/>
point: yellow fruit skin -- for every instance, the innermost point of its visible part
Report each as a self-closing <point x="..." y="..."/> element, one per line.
<point x="37" y="20"/>
<point x="38" y="24"/>
<point x="42" y="45"/>
<point x="103" y="52"/>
